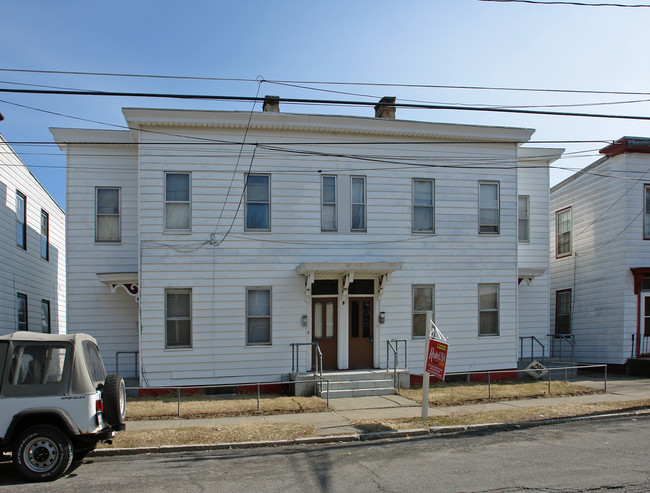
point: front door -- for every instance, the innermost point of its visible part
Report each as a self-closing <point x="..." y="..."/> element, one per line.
<point x="361" y="333"/>
<point x="644" y="332"/>
<point x="324" y="317"/>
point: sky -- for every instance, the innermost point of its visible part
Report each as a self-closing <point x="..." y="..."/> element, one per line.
<point x="434" y="43"/>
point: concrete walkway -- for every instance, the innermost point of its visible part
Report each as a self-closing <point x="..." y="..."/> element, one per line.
<point x="345" y="411"/>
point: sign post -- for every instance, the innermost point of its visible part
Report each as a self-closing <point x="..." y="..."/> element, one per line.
<point x="435" y="360"/>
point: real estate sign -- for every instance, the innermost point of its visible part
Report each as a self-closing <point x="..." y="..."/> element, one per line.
<point x="436" y="358"/>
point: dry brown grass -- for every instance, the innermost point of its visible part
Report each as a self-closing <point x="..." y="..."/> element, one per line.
<point x="201" y="435"/>
<point x="456" y="394"/>
<point x="202" y="406"/>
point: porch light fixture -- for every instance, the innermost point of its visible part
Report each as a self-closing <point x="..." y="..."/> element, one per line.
<point x="382" y="317"/>
<point x="304" y="320"/>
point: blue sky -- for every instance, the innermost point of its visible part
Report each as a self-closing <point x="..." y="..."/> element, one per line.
<point x="453" y="42"/>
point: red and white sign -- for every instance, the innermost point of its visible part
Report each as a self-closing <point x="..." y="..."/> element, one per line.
<point x="436" y="358"/>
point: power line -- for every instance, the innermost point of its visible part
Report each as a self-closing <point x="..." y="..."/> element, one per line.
<point x="579" y="4"/>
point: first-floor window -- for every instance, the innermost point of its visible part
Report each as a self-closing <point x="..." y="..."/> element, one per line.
<point x="258" y="316"/>
<point x="563" y="311"/>
<point x="45" y="317"/>
<point x="488" y="309"/>
<point x="21" y="311"/>
<point x="423" y="302"/>
<point x="178" y="317"/>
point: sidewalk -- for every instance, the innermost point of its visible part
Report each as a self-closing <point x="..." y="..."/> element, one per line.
<point x="346" y="411"/>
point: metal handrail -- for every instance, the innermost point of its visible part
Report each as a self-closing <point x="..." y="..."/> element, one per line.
<point x="295" y="362"/>
<point x="395" y="349"/>
<point x="117" y="360"/>
<point x="533" y="340"/>
<point x="568" y="338"/>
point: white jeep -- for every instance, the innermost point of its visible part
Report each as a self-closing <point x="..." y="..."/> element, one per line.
<point x="56" y="401"/>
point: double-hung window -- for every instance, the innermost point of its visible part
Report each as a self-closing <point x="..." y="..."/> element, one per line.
<point x="107" y="211"/>
<point x="488" y="309"/>
<point x="423" y="301"/>
<point x="178" y="208"/>
<point x="45" y="317"/>
<point x="563" y="311"/>
<point x="328" y="205"/>
<point x="563" y="232"/>
<point x="258" y="203"/>
<point x="45" y="235"/>
<point x="258" y="316"/>
<point x="646" y="212"/>
<point x="21" y="312"/>
<point x="423" y="206"/>
<point x="178" y="318"/>
<point x="523" y="215"/>
<point x="358" y="203"/>
<point x="21" y="220"/>
<point x="488" y="216"/>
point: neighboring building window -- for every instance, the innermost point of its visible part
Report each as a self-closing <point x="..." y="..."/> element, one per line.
<point x="21" y="312"/>
<point x="258" y="316"/>
<point x="423" y="301"/>
<point x="258" y="203"/>
<point x="563" y="232"/>
<point x="107" y="223"/>
<point x="45" y="235"/>
<point x="488" y="216"/>
<point x="328" y="206"/>
<point x="45" y="317"/>
<point x="177" y="202"/>
<point x="563" y="311"/>
<point x="178" y="318"/>
<point x="646" y="211"/>
<point x="358" y="185"/>
<point x="488" y="308"/>
<point x="523" y="215"/>
<point x="423" y="206"/>
<point x="21" y="220"/>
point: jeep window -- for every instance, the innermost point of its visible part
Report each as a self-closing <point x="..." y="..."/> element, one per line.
<point x="94" y="362"/>
<point x="37" y="365"/>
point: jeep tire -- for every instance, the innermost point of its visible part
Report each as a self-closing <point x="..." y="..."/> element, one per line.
<point x="114" y="395"/>
<point x="42" y="453"/>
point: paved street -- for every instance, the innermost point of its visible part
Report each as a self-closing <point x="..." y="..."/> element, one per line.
<point x="595" y="456"/>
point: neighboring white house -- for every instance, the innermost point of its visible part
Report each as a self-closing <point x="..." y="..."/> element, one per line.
<point x="209" y="258"/>
<point x="600" y="255"/>
<point x="32" y="251"/>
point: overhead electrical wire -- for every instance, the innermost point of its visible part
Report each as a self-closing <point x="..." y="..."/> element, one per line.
<point x="578" y="4"/>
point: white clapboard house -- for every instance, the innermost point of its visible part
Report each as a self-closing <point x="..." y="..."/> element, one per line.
<point x="600" y="257"/>
<point x="206" y="244"/>
<point x="32" y="251"/>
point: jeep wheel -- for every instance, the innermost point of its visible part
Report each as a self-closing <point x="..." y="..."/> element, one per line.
<point x="42" y="453"/>
<point x="114" y="395"/>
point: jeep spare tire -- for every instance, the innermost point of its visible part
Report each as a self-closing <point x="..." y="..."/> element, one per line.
<point x="114" y="395"/>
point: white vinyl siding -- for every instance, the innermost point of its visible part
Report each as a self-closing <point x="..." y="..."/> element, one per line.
<point x="423" y="206"/>
<point x="489" y="208"/>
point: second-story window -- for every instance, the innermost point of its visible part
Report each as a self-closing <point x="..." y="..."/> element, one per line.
<point x="358" y="202"/>
<point x="563" y="232"/>
<point x="258" y="203"/>
<point x="45" y="235"/>
<point x="21" y="220"/>
<point x="646" y="212"/>
<point x="107" y="221"/>
<point x="523" y="215"/>
<point x="488" y="216"/>
<point x="328" y="205"/>
<point x="177" y="202"/>
<point x="423" y="208"/>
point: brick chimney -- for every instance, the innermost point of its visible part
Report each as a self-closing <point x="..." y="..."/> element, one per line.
<point x="385" y="108"/>
<point x="271" y="104"/>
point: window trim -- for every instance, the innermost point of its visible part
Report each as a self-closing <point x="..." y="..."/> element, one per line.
<point x="558" y="293"/>
<point x="49" y="316"/>
<point x="119" y="215"/>
<point x="23" y="223"/>
<point x="432" y="206"/>
<point x="527" y="219"/>
<point x="18" y="323"/>
<point x="491" y="310"/>
<point x="498" y="209"/>
<point x="188" y="202"/>
<point x="557" y="234"/>
<point x="190" y="318"/>
<point x="414" y="312"/>
<point x="246" y="178"/>
<point x="365" y="204"/>
<point x="323" y="203"/>
<point x="270" y="316"/>
<point x="45" y="237"/>
<point x="646" y="211"/>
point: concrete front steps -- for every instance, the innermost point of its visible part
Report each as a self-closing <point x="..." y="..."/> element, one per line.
<point x="354" y="383"/>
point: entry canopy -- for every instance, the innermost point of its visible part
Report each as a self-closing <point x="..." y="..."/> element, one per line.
<point x="349" y="270"/>
<point x="126" y="280"/>
<point x="528" y="274"/>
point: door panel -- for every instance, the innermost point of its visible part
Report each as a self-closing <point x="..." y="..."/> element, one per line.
<point x="324" y="316"/>
<point x="361" y="333"/>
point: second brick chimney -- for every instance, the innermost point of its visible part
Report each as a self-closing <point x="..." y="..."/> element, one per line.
<point x="271" y="104"/>
<point x="385" y="108"/>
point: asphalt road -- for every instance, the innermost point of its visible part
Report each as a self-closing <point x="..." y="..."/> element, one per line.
<point x="594" y="456"/>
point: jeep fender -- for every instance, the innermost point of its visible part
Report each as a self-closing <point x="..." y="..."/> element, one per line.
<point x="30" y="417"/>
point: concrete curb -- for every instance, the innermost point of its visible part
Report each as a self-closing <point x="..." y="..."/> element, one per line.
<point x="362" y="437"/>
